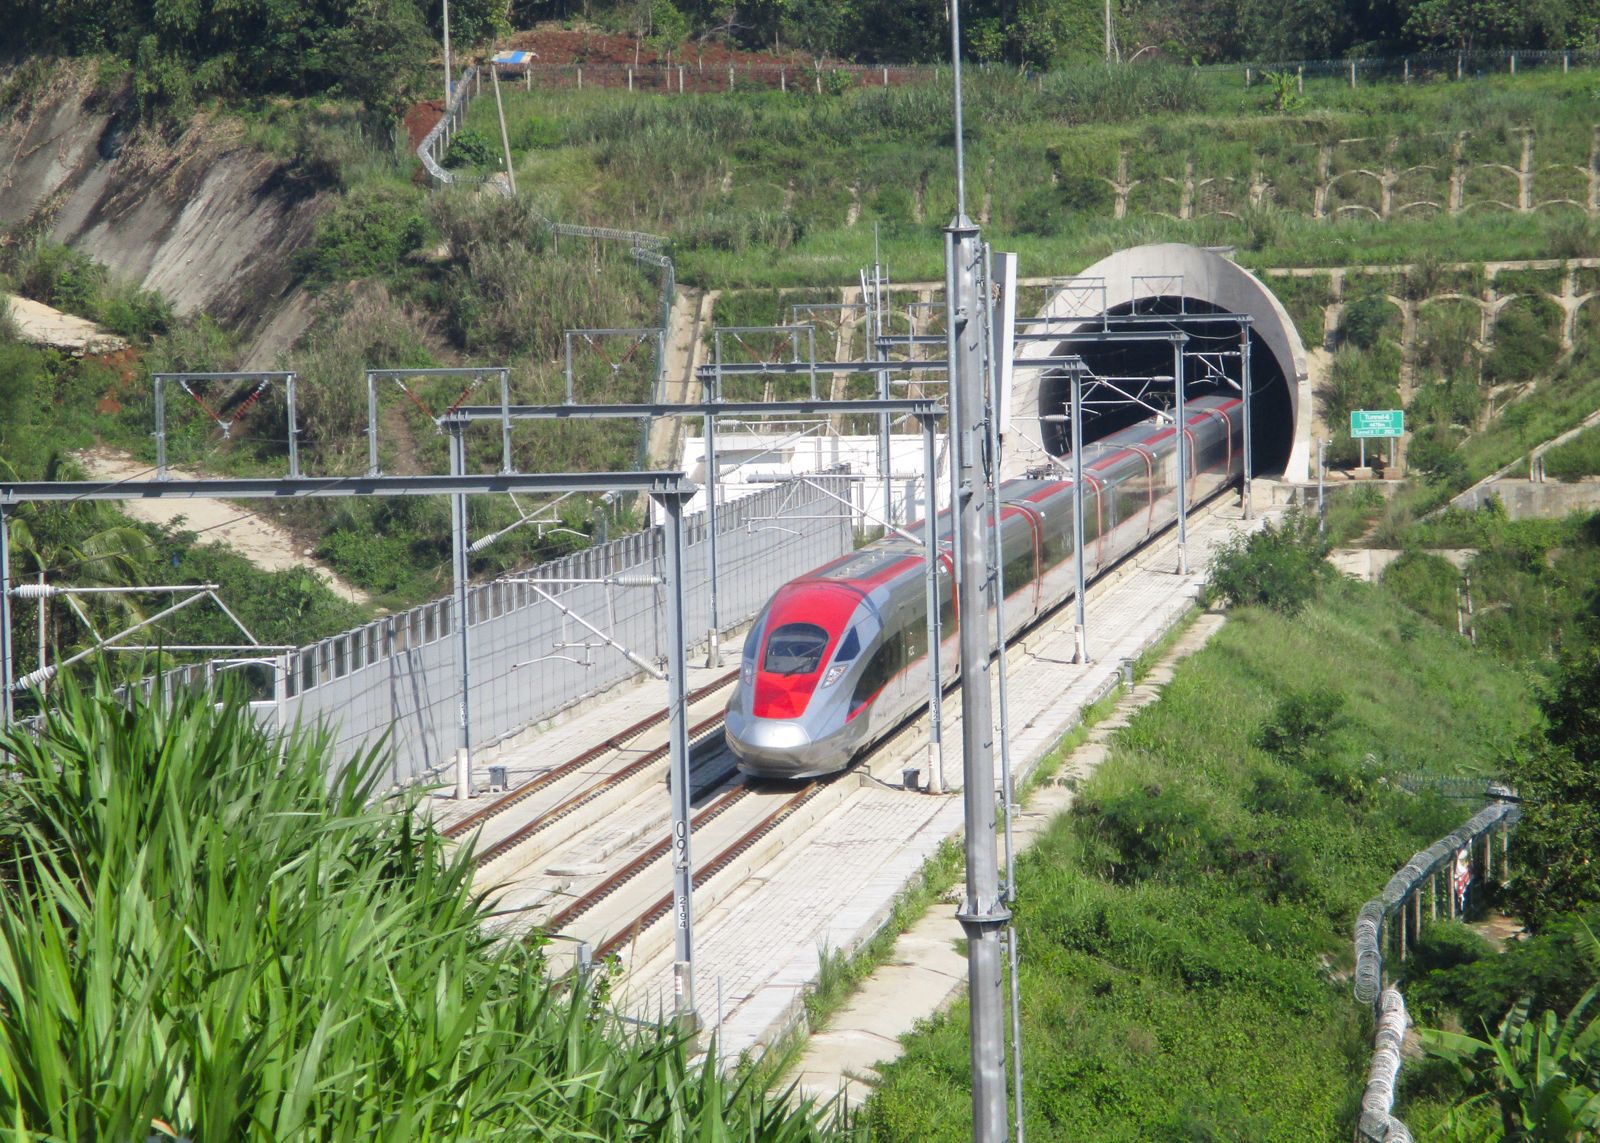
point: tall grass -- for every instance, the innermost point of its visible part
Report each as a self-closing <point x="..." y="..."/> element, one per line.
<point x="1184" y="931"/>
<point x="204" y="934"/>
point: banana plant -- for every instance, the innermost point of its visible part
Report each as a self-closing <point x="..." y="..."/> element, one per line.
<point x="1534" y="1081"/>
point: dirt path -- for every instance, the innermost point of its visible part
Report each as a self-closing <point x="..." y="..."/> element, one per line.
<point x="260" y="540"/>
<point x="45" y="325"/>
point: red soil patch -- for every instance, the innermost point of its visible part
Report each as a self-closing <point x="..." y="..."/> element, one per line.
<point x="564" y="46"/>
<point x="421" y="118"/>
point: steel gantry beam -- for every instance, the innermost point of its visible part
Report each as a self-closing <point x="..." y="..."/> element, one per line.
<point x="909" y="406"/>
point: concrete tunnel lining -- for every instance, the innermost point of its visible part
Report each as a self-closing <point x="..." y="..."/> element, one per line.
<point x="1207" y="277"/>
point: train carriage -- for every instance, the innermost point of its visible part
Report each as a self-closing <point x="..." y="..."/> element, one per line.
<point x="838" y="658"/>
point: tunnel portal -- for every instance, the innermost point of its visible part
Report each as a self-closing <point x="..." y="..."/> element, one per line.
<point x="1162" y="290"/>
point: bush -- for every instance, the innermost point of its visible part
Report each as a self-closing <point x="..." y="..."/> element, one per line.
<point x="369" y="232"/>
<point x="472" y="149"/>
<point x="1281" y="566"/>
<point x="1576" y="458"/>
<point x="1299" y="726"/>
<point x="1436" y="456"/>
<point x="1364" y="320"/>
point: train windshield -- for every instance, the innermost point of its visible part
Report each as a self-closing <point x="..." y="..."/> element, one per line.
<point x="795" y="649"/>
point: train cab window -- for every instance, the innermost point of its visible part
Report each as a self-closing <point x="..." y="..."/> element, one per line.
<point x="849" y="647"/>
<point x="795" y="649"/>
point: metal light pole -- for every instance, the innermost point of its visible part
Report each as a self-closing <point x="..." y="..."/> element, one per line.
<point x="458" y="563"/>
<point x="713" y="637"/>
<point x="935" y="600"/>
<point x="1180" y="419"/>
<point x="678" y="742"/>
<point x="1249" y="428"/>
<point x="983" y="914"/>
<point x="1077" y="511"/>
<point x="7" y="664"/>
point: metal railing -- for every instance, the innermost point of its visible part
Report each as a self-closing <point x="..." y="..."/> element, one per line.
<point x="1401" y="895"/>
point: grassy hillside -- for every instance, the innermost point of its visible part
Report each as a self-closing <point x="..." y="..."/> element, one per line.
<point x="1185" y="930"/>
<point x="762" y="188"/>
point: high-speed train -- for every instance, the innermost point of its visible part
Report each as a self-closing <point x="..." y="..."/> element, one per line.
<point x="838" y="657"/>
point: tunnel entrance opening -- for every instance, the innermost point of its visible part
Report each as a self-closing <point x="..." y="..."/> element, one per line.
<point x="1211" y="366"/>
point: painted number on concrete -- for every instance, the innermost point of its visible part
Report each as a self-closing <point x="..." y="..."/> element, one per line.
<point x="1377" y="423"/>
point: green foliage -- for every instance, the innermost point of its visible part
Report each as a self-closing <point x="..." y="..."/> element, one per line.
<point x="1526" y="342"/>
<point x="1186" y="928"/>
<point x="1365" y="319"/>
<point x="1281" y="566"/>
<point x="1535" y="1079"/>
<point x="1454" y="975"/>
<point x="181" y="52"/>
<point x="472" y="148"/>
<point x="202" y="932"/>
<point x="1576" y="458"/>
<point x="1301" y="725"/>
<point x="1559" y="782"/>
<point x="71" y="281"/>
<point x="368" y="232"/>
<point x="1437" y="457"/>
<point x="1284" y="95"/>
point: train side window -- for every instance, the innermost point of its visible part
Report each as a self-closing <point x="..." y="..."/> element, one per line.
<point x="1018" y="571"/>
<point x="873" y="676"/>
<point x="849" y="647"/>
<point x="795" y="649"/>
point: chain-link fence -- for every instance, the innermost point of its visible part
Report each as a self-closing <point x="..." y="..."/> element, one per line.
<point x="1417" y="67"/>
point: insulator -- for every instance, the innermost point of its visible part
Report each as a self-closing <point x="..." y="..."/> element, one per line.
<point x="35" y="590"/>
<point x="33" y="678"/>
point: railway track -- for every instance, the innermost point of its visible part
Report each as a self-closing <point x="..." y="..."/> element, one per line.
<point x="579" y="762"/>
<point x="626" y="918"/>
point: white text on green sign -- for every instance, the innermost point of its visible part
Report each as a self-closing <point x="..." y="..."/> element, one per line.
<point x="1377" y="423"/>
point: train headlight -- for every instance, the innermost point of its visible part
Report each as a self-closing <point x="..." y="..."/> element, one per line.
<point x="834" y="673"/>
<point x="747" y="672"/>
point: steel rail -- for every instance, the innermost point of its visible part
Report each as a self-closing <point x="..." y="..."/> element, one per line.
<point x="615" y="742"/>
<point x="583" y="797"/>
<point x="710" y="869"/>
<point x="642" y="862"/>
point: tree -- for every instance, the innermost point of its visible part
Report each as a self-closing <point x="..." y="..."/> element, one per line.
<point x="1558" y="779"/>
<point x="1463" y="24"/>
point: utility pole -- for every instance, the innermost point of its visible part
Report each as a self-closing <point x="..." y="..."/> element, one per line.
<point x="983" y="914"/>
<point x="449" y="83"/>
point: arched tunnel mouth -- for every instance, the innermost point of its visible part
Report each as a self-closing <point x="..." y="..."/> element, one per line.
<point x="1211" y="366"/>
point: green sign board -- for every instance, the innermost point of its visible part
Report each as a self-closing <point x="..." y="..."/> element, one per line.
<point x="1377" y="423"/>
